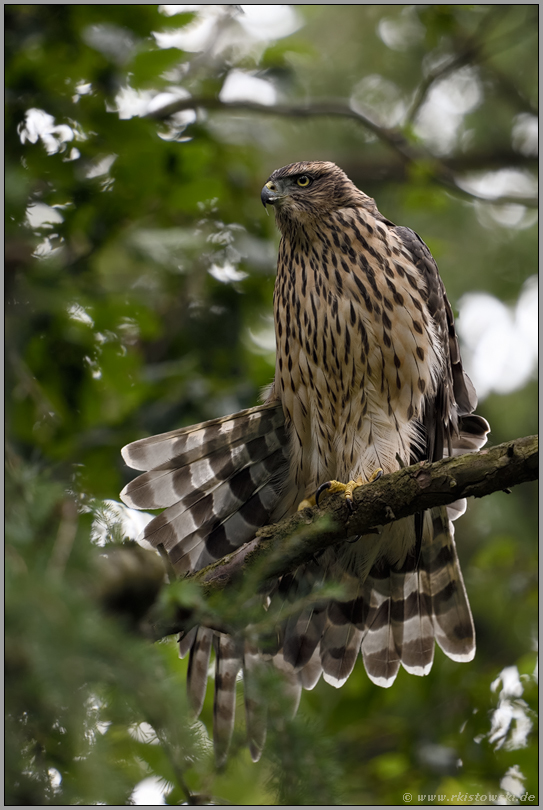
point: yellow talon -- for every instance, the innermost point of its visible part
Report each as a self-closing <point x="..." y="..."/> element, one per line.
<point x="307" y="503"/>
<point x="334" y="487"/>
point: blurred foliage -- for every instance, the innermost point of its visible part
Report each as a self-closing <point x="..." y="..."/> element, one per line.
<point x="139" y="279"/>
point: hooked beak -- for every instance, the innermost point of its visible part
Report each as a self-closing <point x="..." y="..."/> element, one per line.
<point x="270" y="194"/>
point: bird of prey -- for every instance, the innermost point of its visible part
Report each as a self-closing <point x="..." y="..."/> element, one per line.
<point x="368" y="378"/>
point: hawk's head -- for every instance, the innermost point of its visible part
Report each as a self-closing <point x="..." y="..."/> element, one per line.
<point x="309" y="190"/>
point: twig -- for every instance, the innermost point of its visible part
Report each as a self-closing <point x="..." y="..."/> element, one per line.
<point x="470" y="51"/>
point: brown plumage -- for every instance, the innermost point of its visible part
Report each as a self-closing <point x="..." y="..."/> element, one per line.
<point x="368" y="376"/>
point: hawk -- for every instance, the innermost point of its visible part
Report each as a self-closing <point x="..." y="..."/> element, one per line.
<point x="368" y="378"/>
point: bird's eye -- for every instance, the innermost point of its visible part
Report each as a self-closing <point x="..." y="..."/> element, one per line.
<point x="303" y="181"/>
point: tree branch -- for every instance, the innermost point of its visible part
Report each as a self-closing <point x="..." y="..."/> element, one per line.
<point x="471" y="50"/>
<point x="409" y="154"/>
<point x="298" y="538"/>
<point x="383" y="169"/>
<point x="279" y="549"/>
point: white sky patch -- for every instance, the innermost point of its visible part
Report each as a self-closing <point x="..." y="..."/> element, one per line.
<point x="509" y="681"/>
<point x="503" y="183"/>
<point x="526" y="134"/>
<point x="79" y="313"/>
<point x="513" y="781"/>
<point x="170" y="9"/>
<point x="82" y="89"/>
<point x="511" y="723"/>
<point x="401" y="32"/>
<point x="55" y="778"/>
<point x="500" y="343"/>
<point x="48" y="247"/>
<point x="130" y="103"/>
<point x="39" y="125"/>
<point x="226" y="272"/>
<point x="132" y="522"/>
<point x="195" y="36"/>
<point x="269" y="22"/>
<point x="94" y="367"/>
<point x="143" y="732"/>
<point x="440" y="119"/>
<point x="263" y="339"/>
<point x="150" y="791"/>
<point x="40" y="215"/>
<point x="168" y="97"/>
<point x="73" y="154"/>
<point x="509" y="215"/>
<point x="218" y="27"/>
<point x="100" y="166"/>
<point x="241" y="86"/>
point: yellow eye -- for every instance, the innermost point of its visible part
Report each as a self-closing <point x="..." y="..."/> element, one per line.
<point x="303" y="181"/>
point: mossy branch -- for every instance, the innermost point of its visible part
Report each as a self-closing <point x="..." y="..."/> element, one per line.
<point x="280" y="548"/>
<point x="296" y="539"/>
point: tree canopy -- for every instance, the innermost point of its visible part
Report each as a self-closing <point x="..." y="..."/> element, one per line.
<point x="140" y="267"/>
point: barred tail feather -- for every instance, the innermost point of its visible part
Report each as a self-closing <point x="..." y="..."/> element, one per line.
<point x="381" y="658"/>
<point x="303" y="630"/>
<point x="411" y="619"/>
<point x="451" y="614"/>
<point x="341" y="641"/>
<point x="255" y="701"/>
<point x="302" y="636"/>
<point x="185" y="641"/>
<point x="311" y="673"/>
<point x="292" y="683"/>
<point x="198" y="665"/>
<point x="228" y="663"/>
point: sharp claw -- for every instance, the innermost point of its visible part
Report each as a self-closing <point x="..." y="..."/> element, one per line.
<point x="321" y="489"/>
<point x="350" y="504"/>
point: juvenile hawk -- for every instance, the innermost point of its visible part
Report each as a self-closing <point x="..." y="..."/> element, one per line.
<point x="368" y="377"/>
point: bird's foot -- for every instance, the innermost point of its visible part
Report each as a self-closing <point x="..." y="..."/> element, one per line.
<point x="333" y="487"/>
<point x="307" y="503"/>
